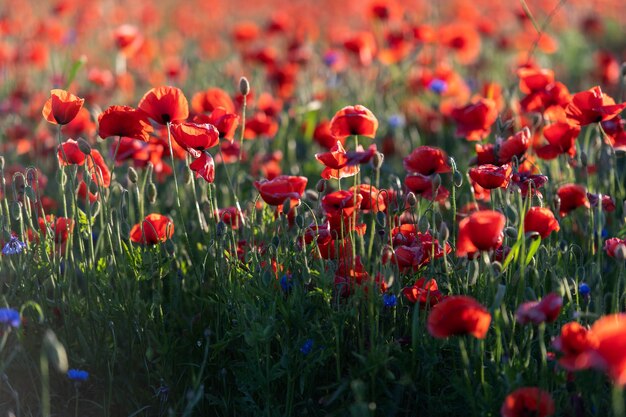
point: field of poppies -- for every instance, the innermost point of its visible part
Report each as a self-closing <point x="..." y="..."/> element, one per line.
<point x="312" y="208"/>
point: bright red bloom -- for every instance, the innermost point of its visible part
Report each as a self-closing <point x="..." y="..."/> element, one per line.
<point x="609" y="355"/>
<point x="458" y="315"/>
<point x="525" y="182"/>
<point x="514" y="146"/>
<point x="612" y="244"/>
<point x="486" y="154"/>
<point x="81" y="125"/>
<point x="70" y="154"/>
<point x="211" y="99"/>
<point x="424" y="291"/>
<point x="541" y="220"/>
<point x="419" y="183"/>
<point x="226" y="123"/>
<point x="606" y="200"/>
<point x="62" y="107"/>
<point x="165" y="105"/>
<point x="275" y="192"/>
<point x="561" y="139"/>
<point x="260" y="124"/>
<point x="481" y="231"/>
<point x="83" y="193"/>
<point x="528" y="401"/>
<point x="544" y="311"/>
<point x="336" y="163"/>
<point x="155" y="228"/>
<point x="408" y="258"/>
<point x="195" y="137"/>
<point x="574" y="341"/>
<point x="475" y="119"/>
<point x="571" y="197"/>
<point x="323" y="137"/>
<point x="354" y="120"/>
<point x="533" y="80"/>
<point x="124" y="121"/>
<point x="427" y="160"/>
<point x="97" y="168"/>
<point x="373" y="199"/>
<point x="204" y="167"/>
<point x="491" y="176"/>
<point x="592" y="106"/>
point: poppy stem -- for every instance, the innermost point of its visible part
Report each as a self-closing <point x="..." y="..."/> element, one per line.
<point x="180" y="210"/>
<point x="117" y="148"/>
<point x="618" y="401"/>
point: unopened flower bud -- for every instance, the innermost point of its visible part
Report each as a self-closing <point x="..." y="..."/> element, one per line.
<point x="244" y="86"/>
<point x="311" y="195"/>
<point x="132" y="175"/>
<point x="511" y="232"/>
<point x="187" y="176"/>
<point x="457" y="178"/>
<point x="411" y="199"/>
<point x="423" y="224"/>
<point x="436" y="182"/>
<point x="1" y="162"/>
<point x="286" y="206"/>
<point x="444" y="232"/>
<point x="620" y="253"/>
<point x="152" y="193"/>
<point x="84" y="146"/>
<point x="321" y="186"/>
<point x="221" y="228"/>
<point x="584" y="161"/>
<point x="378" y="160"/>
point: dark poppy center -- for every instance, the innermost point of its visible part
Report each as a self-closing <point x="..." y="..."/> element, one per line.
<point x="166" y="118"/>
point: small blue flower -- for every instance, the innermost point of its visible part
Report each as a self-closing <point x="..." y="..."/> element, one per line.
<point x="10" y="317"/>
<point x="438" y="86"/>
<point x="13" y="247"/>
<point x="77" y="375"/>
<point x="390" y="300"/>
<point x="605" y="233"/>
<point x="285" y="282"/>
<point x="396" y="120"/>
<point x="584" y="289"/>
<point x="331" y="57"/>
<point x="307" y="346"/>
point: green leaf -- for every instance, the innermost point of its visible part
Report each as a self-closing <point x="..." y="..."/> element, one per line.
<point x="534" y="247"/>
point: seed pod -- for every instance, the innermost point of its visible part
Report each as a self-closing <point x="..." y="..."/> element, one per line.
<point x="244" y="86"/>
<point x="132" y="175"/>
<point x="84" y="146"/>
<point x="152" y="193"/>
<point x="377" y="160"/>
<point x="411" y="199"/>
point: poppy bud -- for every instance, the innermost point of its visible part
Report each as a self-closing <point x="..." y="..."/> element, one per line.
<point x="377" y="160"/>
<point x="436" y="182"/>
<point x="16" y="210"/>
<point x="411" y="199"/>
<point x="511" y="232"/>
<point x="221" y="228"/>
<point x="125" y="229"/>
<point x="584" y="159"/>
<point x="300" y="221"/>
<point x="311" y="195"/>
<point x="620" y="253"/>
<point x="132" y="175"/>
<point x="424" y="225"/>
<point x="457" y="178"/>
<point x="321" y="186"/>
<point x="381" y="219"/>
<point x="1" y="162"/>
<point x="286" y="206"/>
<point x="244" y="86"/>
<point x="84" y="146"/>
<point x="187" y="176"/>
<point x="444" y="232"/>
<point x="30" y="193"/>
<point x="152" y="193"/>
<point x="557" y="204"/>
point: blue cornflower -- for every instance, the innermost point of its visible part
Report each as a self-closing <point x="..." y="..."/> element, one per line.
<point x="285" y="282"/>
<point x="307" y="346"/>
<point x="396" y="120"/>
<point x="10" y="317"/>
<point x="331" y="57"/>
<point x="438" y="86"/>
<point x="77" y="375"/>
<point x="13" y="247"/>
<point x="584" y="289"/>
<point x="390" y="300"/>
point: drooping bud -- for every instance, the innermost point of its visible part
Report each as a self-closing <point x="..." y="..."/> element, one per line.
<point x="152" y="193"/>
<point x="377" y="160"/>
<point x="84" y="146"/>
<point x="411" y="199"/>
<point x="321" y="186"/>
<point x="132" y="175"/>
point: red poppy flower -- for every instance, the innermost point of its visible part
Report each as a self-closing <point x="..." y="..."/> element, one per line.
<point x="124" y="121"/>
<point x="83" y="193"/>
<point x="336" y="163"/>
<point x="606" y="200"/>
<point x="373" y="199"/>
<point x="491" y="176"/>
<point x="463" y="39"/>
<point x="225" y="123"/>
<point x="81" y="125"/>
<point x="230" y="215"/>
<point x="354" y="120"/>
<point x="540" y="220"/>
<point x="275" y="192"/>
<point x="427" y="160"/>
<point x="153" y="229"/>
<point x="327" y="242"/>
<point x="609" y="355"/>
<point x="165" y="105"/>
<point x="571" y="197"/>
<point x="561" y="139"/>
<point x="592" y="106"/>
<point x="485" y="154"/>
<point x="615" y="130"/>
<point x="544" y="311"/>
<point x="340" y="208"/>
<point x="195" y="137"/>
<point x="62" y="227"/>
<point x="611" y="245"/>
<point x="260" y="124"/>
<point x="574" y="342"/>
<point x="481" y="231"/>
<point x="475" y="119"/>
<point x="97" y="168"/>
<point x="211" y="99"/>
<point x="62" y="107"/>
<point x="532" y="80"/>
<point x="525" y="182"/>
<point x="514" y="146"/>
<point x="363" y="44"/>
<point x="458" y="315"/>
<point x="204" y="167"/>
<point x="69" y="153"/>
<point x="419" y="183"/>
<point x="323" y="137"/>
<point x="408" y="258"/>
<point x="424" y="291"/>
<point x="528" y="401"/>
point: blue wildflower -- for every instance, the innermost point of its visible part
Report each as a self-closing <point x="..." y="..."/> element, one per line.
<point x="285" y="282"/>
<point x="77" y="375"/>
<point x="307" y="346"/>
<point x="584" y="289"/>
<point x="13" y="247"/>
<point x="438" y="86"/>
<point x="331" y="57"/>
<point x="390" y="300"/>
<point x="396" y="120"/>
<point x="10" y="317"/>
